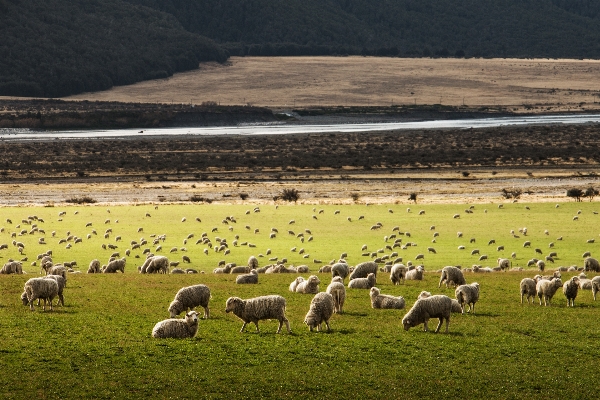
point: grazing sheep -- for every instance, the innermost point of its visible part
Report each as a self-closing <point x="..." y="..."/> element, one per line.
<point x="177" y="328"/>
<point x="547" y="289"/>
<point x="94" y="267"/>
<point x="363" y="283"/>
<point x="504" y="263"/>
<point x="452" y="274"/>
<point x="295" y="283"/>
<point x="595" y="286"/>
<point x="61" y="285"/>
<point x="321" y="310"/>
<point x="253" y="262"/>
<point x="415" y="274"/>
<point x="58" y="270"/>
<point x="364" y="269"/>
<point x="190" y="297"/>
<point x="438" y="306"/>
<point x="156" y="264"/>
<point x="528" y="289"/>
<point x="398" y="273"/>
<point x="12" y="267"/>
<point x="311" y="285"/>
<point x="259" y="308"/>
<point x="250" y="278"/>
<point x="474" y="251"/>
<point x="591" y="264"/>
<point x="467" y="294"/>
<point x="379" y="300"/>
<point x="186" y="259"/>
<point x="586" y="254"/>
<point x="570" y="289"/>
<point x="340" y="269"/>
<point x="115" y="265"/>
<point x="541" y="265"/>
<point x="39" y="288"/>
<point x="338" y="291"/>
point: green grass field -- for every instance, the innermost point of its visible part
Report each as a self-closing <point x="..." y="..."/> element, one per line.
<point x="99" y="344"/>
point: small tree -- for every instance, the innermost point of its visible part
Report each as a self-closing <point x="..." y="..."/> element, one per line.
<point x="575" y="193"/>
<point x="590" y="193"/>
<point x="354" y="196"/>
<point x="243" y="196"/>
<point x="290" y="195"/>
<point x="511" y="193"/>
<point x="413" y="197"/>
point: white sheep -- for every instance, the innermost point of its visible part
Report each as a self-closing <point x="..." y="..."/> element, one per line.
<point x="340" y="269"/>
<point x="12" y="267"/>
<point x="311" y="285"/>
<point x="541" y="265"/>
<point x="338" y="291"/>
<point x="364" y="269"/>
<point x="528" y="289"/>
<point x="415" y="274"/>
<point x="190" y="297"/>
<point x="156" y="264"/>
<point x="253" y="262"/>
<point x="258" y="308"/>
<point x="570" y="289"/>
<point x="452" y="274"/>
<point x="379" y="300"/>
<point x="547" y="289"/>
<point x="398" y="273"/>
<point x="295" y="283"/>
<point x="61" y="285"/>
<point x="177" y="328"/>
<point x="363" y="283"/>
<point x="250" y="278"/>
<point x="467" y="295"/>
<point x="39" y="288"/>
<point x="591" y="264"/>
<point x="595" y="286"/>
<point x="115" y="265"/>
<point x="94" y="267"/>
<point x="321" y="310"/>
<point x="504" y="263"/>
<point x="438" y="306"/>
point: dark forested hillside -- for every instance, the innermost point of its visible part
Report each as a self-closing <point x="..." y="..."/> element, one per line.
<point x="60" y="47"/>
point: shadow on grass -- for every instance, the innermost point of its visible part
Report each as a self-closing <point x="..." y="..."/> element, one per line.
<point x="355" y="314"/>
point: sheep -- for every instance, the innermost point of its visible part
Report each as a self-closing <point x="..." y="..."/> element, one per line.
<point x="363" y="283"/>
<point x="364" y="269"/>
<point x="114" y="266"/>
<point x="591" y="264"/>
<point x="438" y="306"/>
<point x="186" y="259"/>
<point x="252" y="262"/>
<point x="467" y="294"/>
<point x="177" y="328"/>
<point x="452" y="274"/>
<point x="58" y="270"/>
<point x="547" y="289"/>
<point x="94" y="267"/>
<point x="504" y="263"/>
<point x="295" y="283"/>
<point x="340" y="269"/>
<point x="474" y="251"/>
<point x="39" y="288"/>
<point x="258" y="308"/>
<point x="321" y="310"/>
<point x="541" y="265"/>
<point x="250" y="278"/>
<point x="415" y="274"/>
<point x="12" y="267"/>
<point x="157" y="264"/>
<point x="586" y="254"/>
<point x="398" y="273"/>
<point x="379" y="300"/>
<point x="570" y="289"/>
<point x="190" y="297"/>
<point x="311" y="285"/>
<point x="337" y="289"/>
<point x="595" y="286"/>
<point x="61" y="285"/>
<point x="239" y="270"/>
<point x="177" y="271"/>
<point x="528" y="289"/>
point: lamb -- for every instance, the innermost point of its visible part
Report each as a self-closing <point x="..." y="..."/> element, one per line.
<point x="591" y="264"/>
<point x="547" y="289"/>
<point x="438" y="306"/>
<point x="321" y="310"/>
<point x="39" y="288"/>
<point x="295" y="283"/>
<point x="311" y="285"/>
<point x="452" y="274"/>
<point x="250" y="278"/>
<point x="398" y="273"/>
<point x="467" y="294"/>
<point x="528" y="289"/>
<point x="177" y="328"/>
<point x="415" y="274"/>
<point x="504" y="263"/>
<point x="94" y="267"/>
<point x="362" y="270"/>
<point x="340" y="269"/>
<point x="115" y="265"/>
<point x="379" y="300"/>
<point x="61" y="285"/>
<point x="190" y="297"/>
<point x="337" y="289"/>
<point x="363" y="283"/>
<point x="259" y="308"/>
<point x="570" y="289"/>
<point x="595" y="286"/>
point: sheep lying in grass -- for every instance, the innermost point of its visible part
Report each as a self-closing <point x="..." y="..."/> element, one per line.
<point x="39" y="288"/>
<point x="364" y="269"/>
<point x="467" y="295"/>
<point x="528" y="289"/>
<point x="398" y="273"/>
<point x="379" y="300"/>
<point x="258" y="308"/>
<point x="340" y="269"/>
<point x="452" y="275"/>
<point x="591" y="264"/>
<point x="251" y="278"/>
<point x="415" y="274"/>
<point x="321" y="310"/>
<point x="547" y="289"/>
<point x="295" y="283"/>
<point x="438" y="306"/>
<point x="177" y="328"/>
<point x="338" y="291"/>
<point x="190" y="297"/>
<point x="570" y="289"/>
<point x="311" y="285"/>
<point x="114" y="266"/>
<point x="363" y="283"/>
<point x="12" y="267"/>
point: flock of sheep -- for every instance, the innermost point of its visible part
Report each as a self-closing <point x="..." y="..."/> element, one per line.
<point x="322" y="306"/>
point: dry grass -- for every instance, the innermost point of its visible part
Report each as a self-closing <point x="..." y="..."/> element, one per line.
<point x="545" y="85"/>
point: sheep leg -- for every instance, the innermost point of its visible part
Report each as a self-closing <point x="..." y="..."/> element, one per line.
<point x="440" y="325"/>
<point x="31" y="305"/>
<point x="327" y="324"/>
<point x="425" y="325"/>
<point x="243" y="327"/>
<point x="287" y="325"/>
<point x="256" y="323"/>
<point x="206" y="312"/>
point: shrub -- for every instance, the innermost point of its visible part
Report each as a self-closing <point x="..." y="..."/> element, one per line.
<point x="511" y="193"/>
<point x="290" y="195"/>
<point x="413" y="197"/>
<point x="590" y="193"/>
<point x="243" y="196"/>
<point x="81" y="200"/>
<point x="354" y="196"/>
<point x="197" y="198"/>
<point x="575" y="193"/>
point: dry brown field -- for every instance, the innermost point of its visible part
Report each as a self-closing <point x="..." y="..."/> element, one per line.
<point x="542" y="85"/>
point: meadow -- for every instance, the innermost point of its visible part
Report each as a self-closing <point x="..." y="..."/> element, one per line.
<point x="99" y="344"/>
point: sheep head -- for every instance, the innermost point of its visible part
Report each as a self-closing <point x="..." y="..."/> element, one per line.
<point x="232" y="304"/>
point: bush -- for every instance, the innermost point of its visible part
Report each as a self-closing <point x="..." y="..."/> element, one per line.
<point x="511" y="193"/>
<point x="197" y="198"/>
<point x="590" y="193"/>
<point x="81" y="200"/>
<point x="243" y="196"/>
<point x="413" y="197"/>
<point x="354" y="196"/>
<point x="290" y="195"/>
<point x="575" y="193"/>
